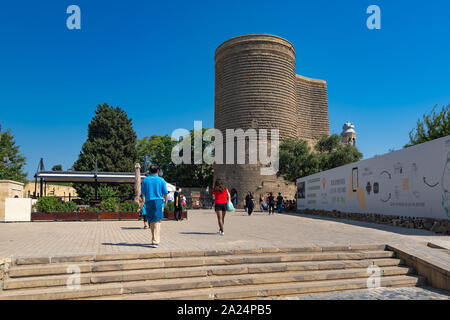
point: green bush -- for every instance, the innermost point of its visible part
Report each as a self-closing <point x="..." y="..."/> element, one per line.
<point x="129" y="206"/>
<point x="69" y="206"/>
<point x="92" y="209"/>
<point x="104" y="192"/>
<point x="52" y="204"/>
<point x="46" y="204"/>
<point x="110" y="205"/>
<point x="170" y="207"/>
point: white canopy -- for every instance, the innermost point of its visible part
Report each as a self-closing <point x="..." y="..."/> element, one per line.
<point x="170" y="187"/>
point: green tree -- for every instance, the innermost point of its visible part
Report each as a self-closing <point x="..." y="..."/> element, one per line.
<point x="432" y="126"/>
<point x="298" y="160"/>
<point x="158" y="150"/>
<point x="12" y="168"/>
<point x="57" y="167"/>
<point x="332" y="153"/>
<point x="112" y="142"/>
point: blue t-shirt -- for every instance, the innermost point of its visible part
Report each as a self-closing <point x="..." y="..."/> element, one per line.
<point x="153" y="187"/>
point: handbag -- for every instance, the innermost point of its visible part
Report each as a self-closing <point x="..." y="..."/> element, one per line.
<point x="230" y="206"/>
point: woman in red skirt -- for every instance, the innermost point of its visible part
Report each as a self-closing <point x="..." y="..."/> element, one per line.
<point x="221" y="197"/>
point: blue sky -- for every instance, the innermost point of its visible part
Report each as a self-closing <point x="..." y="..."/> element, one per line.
<point x="156" y="61"/>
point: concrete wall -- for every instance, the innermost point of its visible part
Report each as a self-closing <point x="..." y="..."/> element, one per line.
<point x="9" y="189"/>
<point x="18" y="209"/>
<point x="412" y="182"/>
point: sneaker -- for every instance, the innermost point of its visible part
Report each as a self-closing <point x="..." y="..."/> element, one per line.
<point x="154" y="245"/>
<point x="222" y="233"/>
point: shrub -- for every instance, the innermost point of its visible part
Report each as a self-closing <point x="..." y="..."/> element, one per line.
<point x="129" y="206"/>
<point x="46" y="204"/>
<point x="52" y="204"/>
<point x="110" y="205"/>
<point x="170" y="207"/>
<point x="69" y="206"/>
<point x="92" y="209"/>
<point x="104" y="192"/>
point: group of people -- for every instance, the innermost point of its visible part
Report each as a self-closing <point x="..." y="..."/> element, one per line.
<point x="178" y="199"/>
<point x="154" y="197"/>
<point x="268" y="203"/>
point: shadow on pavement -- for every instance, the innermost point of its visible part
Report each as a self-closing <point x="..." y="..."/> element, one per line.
<point x="200" y="233"/>
<point x="127" y="244"/>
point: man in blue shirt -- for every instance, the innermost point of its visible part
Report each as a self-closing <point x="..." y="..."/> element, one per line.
<point x="154" y="196"/>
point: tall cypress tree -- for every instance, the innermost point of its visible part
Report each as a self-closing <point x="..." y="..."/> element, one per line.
<point x="112" y="142"/>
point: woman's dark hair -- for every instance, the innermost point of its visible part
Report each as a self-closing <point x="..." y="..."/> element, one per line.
<point x="218" y="186"/>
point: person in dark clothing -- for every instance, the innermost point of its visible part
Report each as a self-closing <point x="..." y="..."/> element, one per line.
<point x="178" y="208"/>
<point x="271" y="203"/>
<point x="279" y="202"/>
<point x="249" y="203"/>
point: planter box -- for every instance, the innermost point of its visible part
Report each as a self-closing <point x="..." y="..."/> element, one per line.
<point x="42" y="216"/>
<point x="82" y="216"/>
<point x="65" y="216"/>
<point x="109" y="215"/>
<point x="171" y="215"/>
<point x="129" y="216"/>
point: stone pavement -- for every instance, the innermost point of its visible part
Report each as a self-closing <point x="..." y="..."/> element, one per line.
<point x="408" y="293"/>
<point x="199" y="232"/>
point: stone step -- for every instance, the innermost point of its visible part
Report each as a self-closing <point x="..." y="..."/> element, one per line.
<point x="202" y="271"/>
<point x="180" y="254"/>
<point x="155" y="263"/>
<point x="253" y="292"/>
<point x="147" y="286"/>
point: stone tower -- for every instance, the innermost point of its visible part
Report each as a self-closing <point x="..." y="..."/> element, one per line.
<point x="348" y="135"/>
<point x="256" y="87"/>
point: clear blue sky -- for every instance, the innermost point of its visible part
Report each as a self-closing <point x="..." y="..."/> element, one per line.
<point x="156" y="61"/>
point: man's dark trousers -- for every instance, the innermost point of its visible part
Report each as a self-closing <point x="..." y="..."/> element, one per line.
<point x="178" y="211"/>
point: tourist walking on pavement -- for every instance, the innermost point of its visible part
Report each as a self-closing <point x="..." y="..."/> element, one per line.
<point x="221" y="197"/>
<point x="261" y="202"/>
<point x="279" y="202"/>
<point x="271" y="203"/>
<point x="178" y="208"/>
<point x="249" y="203"/>
<point x="154" y="196"/>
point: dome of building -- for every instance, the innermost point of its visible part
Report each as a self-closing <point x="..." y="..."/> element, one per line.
<point x="348" y="128"/>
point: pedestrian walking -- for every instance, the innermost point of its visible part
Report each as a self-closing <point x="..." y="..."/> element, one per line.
<point x="271" y="203"/>
<point x="249" y="203"/>
<point x="154" y="196"/>
<point x="221" y="197"/>
<point x="178" y="208"/>
<point x="279" y="202"/>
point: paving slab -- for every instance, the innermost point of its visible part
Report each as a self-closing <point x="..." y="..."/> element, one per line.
<point x="200" y="232"/>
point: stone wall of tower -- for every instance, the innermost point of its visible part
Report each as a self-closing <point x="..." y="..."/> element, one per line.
<point x="256" y="87"/>
<point x="312" y="104"/>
